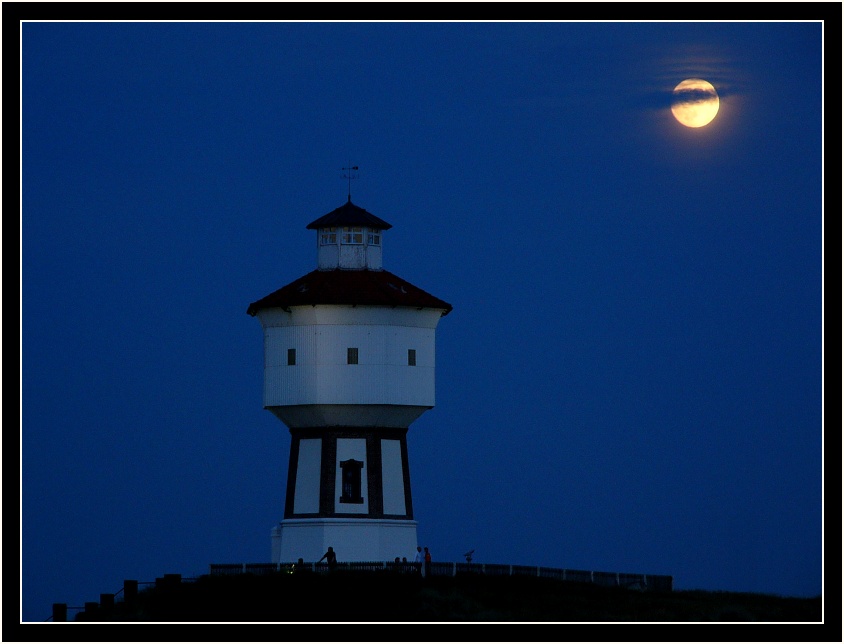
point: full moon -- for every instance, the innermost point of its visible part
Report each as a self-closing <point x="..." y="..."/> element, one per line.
<point x="695" y="102"/>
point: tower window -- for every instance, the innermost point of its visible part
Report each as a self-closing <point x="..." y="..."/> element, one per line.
<point x="352" y="355"/>
<point x="411" y="357"/>
<point x="351" y="481"/>
<point x="374" y="238"/>
<point x="352" y="235"/>
<point x="328" y="236"/>
<point x="291" y="356"/>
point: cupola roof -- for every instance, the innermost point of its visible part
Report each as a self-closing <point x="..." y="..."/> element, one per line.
<point x="349" y="215"/>
<point x="349" y="287"/>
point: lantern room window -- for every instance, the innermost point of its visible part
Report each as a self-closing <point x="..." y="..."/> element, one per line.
<point x="411" y="357"/>
<point x="352" y="235"/>
<point x="291" y="357"/>
<point x="352" y="355"/>
<point x="328" y="236"/>
<point x="374" y="238"/>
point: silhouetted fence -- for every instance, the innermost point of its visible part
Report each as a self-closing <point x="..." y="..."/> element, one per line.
<point x="129" y="592"/>
<point x="453" y="569"/>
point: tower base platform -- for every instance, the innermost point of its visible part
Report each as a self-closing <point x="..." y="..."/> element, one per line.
<point x="352" y="539"/>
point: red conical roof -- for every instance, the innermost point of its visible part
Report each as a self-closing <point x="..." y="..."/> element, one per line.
<point x="349" y="287"/>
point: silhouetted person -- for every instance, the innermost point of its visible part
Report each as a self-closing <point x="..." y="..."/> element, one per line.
<point x="330" y="558"/>
<point x="420" y="558"/>
<point x="297" y="567"/>
<point x="427" y="563"/>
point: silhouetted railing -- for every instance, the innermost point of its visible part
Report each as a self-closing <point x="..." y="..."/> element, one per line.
<point x="107" y="601"/>
<point x="454" y="569"/>
<point x="129" y="591"/>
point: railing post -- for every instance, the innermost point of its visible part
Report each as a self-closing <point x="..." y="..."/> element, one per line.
<point x="59" y="612"/>
<point x="168" y="581"/>
<point x="107" y="601"/>
<point x="130" y="591"/>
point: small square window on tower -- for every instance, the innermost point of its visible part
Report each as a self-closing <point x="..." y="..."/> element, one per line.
<point x="291" y="356"/>
<point x="352" y="355"/>
<point x="352" y="235"/>
<point x="328" y="236"/>
<point x="411" y="357"/>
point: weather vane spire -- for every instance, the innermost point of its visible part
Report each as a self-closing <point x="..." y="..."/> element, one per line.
<point x="348" y="175"/>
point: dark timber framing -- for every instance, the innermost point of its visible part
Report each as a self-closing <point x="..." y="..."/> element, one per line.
<point x="328" y="472"/>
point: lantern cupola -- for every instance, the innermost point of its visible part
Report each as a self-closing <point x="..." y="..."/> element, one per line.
<point x="349" y="238"/>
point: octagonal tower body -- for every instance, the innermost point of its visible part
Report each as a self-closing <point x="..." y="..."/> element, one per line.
<point x="349" y="362"/>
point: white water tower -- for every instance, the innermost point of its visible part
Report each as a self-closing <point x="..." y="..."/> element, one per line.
<point x="349" y="362"/>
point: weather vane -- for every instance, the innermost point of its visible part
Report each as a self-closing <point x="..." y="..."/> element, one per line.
<point x="348" y="175"/>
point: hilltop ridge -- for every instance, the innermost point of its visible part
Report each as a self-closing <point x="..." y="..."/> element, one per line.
<point x="353" y="596"/>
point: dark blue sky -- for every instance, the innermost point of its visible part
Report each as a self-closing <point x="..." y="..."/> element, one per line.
<point x="630" y="380"/>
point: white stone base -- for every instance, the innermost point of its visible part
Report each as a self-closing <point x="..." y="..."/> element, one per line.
<point x="352" y="539"/>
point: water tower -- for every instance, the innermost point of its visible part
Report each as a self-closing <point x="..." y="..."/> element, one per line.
<point x="349" y="362"/>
